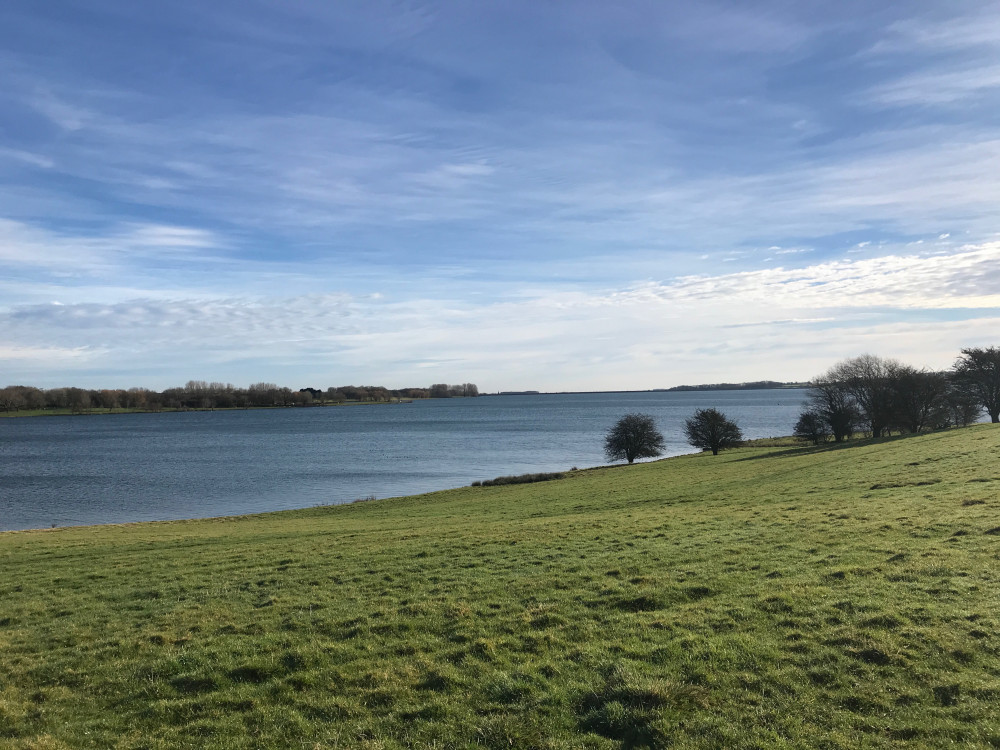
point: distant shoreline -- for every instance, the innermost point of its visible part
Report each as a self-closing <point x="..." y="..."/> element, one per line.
<point x="94" y="411"/>
<point x="768" y="385"/>
<point x="99" y="411"/>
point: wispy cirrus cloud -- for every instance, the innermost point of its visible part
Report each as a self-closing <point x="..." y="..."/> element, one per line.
<point x="975" y="31"/>
<point x="382" y="189"/>
<point x="940" y="88"/>
<point x="670" y="331"/>
<point x="952" y="60"/>
<point x="26" y="246"/>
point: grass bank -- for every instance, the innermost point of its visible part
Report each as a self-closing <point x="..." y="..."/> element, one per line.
<point x="834" y="597"/>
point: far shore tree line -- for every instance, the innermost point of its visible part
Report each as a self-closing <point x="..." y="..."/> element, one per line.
<point x="199" y="394"/>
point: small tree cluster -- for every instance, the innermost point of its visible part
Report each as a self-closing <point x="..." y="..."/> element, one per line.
<point x="877" y="396"/>
<point x="636" y="436"/>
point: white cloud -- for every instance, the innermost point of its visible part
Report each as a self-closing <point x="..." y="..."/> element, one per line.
<point x="26" y="246"/>
<point x="960" y="32"/>
<point x="162" y="236"/>
<point x="67" y="116"/>
<point x="643" y="335"/>
<point x="948" y="61"/>
<point x="969" y="278"/>
<point x="502" y="198"/>
<point x="22" y="245"/>
<point x="936" y="88"/>
<point x="27" y="157"/>
<point x="47" y="356"/>
<point x="380" y="165"/>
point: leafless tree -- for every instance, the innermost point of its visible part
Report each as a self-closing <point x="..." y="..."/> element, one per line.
<point x="831" y="401"/>
<point x="633" y="436"/>
<point x="977" y="372"/>
<point x="710" y="429"/>
<point x="870" y="381"/>
<point x="920" y="400"/>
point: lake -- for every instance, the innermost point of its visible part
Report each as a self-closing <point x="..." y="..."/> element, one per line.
<point x="143" y="467"/>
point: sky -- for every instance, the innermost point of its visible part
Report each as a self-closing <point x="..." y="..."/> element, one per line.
<point x="523" y="195"/>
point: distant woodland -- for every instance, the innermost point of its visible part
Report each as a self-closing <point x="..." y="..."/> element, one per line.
<point x="198" y="394"/>
<point x="757" y="385"/>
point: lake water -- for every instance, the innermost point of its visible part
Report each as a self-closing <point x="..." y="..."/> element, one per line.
<point x="143" y="467"/>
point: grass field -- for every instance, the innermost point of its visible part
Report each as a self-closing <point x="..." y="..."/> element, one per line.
<point x="770" y="597"/>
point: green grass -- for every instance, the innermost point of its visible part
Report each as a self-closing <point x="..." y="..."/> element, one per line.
<point x="770" y="597"/>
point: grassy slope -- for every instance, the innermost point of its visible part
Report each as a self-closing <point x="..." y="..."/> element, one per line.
<point x="767" y="597"/>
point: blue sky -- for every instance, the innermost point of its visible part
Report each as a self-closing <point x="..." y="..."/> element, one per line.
<point x="555" y="196"/>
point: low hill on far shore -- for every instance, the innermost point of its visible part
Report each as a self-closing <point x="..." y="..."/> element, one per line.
<point x="757" y="385"/>
<point x="773" y="596"/>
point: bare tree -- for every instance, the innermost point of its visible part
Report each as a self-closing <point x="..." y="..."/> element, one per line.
<point x="977" y="371"/>
<point x="136" y="398"/>
<point x="633" y="436"/>
<point x="870" y="381"/>
<point x="831" y="400"/>
<point x="16" y="397"/>
<point x="56" y="398"/>
<point x="11" y="399"/>
<point x="709" y="429"/>
<point x="263" y="394"/>
<point x="919" y="402"/>
<point x="812" y="426"/>
<point x="963" y="406"/>
<point x="77" y="399"/>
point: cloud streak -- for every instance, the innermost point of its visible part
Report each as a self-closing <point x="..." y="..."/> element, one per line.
<point x="518" y="191"/>
<point x="519" y="341"/>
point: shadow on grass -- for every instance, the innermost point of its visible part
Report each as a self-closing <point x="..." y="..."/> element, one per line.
<point x="634" y="711"/>
<point x="809" y="450"/>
